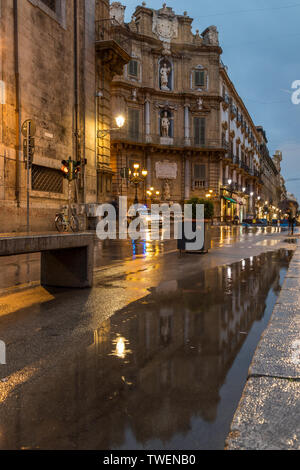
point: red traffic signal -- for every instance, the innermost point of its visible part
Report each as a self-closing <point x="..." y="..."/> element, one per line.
<point x="65" y="168"/>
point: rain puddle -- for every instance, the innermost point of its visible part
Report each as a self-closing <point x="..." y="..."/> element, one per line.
<point x="166" y="372"/>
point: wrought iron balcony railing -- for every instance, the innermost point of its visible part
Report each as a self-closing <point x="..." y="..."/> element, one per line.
<point x="111" y="29"/>
<point x="142" y="138"/>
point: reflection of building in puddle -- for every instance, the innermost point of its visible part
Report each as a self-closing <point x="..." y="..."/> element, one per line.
<point x="166" y="315"/>
<point x="181" y="350"/>
<point x="167" y="287"/>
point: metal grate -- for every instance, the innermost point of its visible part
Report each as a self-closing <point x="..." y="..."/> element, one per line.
<point x="50" y="4"/>
<point x="46" y="179"/>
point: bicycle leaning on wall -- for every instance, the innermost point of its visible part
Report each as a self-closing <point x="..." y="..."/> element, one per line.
<point x="67" y="219"/>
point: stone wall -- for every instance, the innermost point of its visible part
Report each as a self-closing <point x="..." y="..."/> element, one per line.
<point x="46" y="71"/>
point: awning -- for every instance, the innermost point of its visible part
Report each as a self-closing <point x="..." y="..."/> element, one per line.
<point x="230" y="200"/>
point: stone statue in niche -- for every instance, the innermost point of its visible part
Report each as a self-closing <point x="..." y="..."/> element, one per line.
<point x="200" y="104"/>
<point x="164" y="77"/>
<point x="166" y="191"/>
<point x="165" y="125"/>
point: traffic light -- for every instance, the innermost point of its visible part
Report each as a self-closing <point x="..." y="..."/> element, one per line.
<point x="77" y="169"/>
<point x="65" y="168"/>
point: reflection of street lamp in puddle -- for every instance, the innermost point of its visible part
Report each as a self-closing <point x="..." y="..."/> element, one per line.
<point x="120" y="350"/>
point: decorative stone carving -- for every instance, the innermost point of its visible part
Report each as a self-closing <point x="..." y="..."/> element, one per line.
<point x="134" y="94"/>
<point x="200" y="103"/>
<point x="165" y="105"/>
<point x="117" y="11"/>
<point x="198" y="38"/>
<point x="166" y="191"/>
<point x="164" y="76"/>
<point x="132" y="25"/>
<point x="165" y="27"/>
<point x="165" y="125"/>
<point x="211" y="36"/>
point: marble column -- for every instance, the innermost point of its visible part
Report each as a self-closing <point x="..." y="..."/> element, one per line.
<point x="149" y="169"/>
<point x="187" y="179"/>
<point x="147" y="120"/>
<point x="187" y="139"/>
<point x="227" y="172"/>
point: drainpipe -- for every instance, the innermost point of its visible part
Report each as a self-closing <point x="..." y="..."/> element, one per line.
<point x="76" y="130"/>
<point x="17" y="111"/>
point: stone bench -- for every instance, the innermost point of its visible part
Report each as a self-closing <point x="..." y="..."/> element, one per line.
<point x="67" y="260"/>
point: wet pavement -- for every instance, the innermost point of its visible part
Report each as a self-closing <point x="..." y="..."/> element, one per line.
<point x="267" y="417"/>
<point x="155" y="356"/>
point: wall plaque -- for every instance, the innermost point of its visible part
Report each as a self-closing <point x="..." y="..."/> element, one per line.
<point x="166" y="170"/>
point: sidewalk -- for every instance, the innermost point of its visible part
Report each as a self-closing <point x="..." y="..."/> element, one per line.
<point x="268" y="415"/>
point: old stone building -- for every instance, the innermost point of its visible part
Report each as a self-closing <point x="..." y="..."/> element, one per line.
<point x="74" y="66"/>
<point x="169" y="94"/>
<point x="52" y="73"/>
<point x="186" y="124"/>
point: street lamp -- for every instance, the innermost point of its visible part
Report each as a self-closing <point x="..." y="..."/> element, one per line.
<point x="136" y="177"/>
<point x="120" y="121"/>
<point x="153" y="194"/>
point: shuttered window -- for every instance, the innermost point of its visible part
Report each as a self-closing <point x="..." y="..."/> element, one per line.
<point x="199" y="131"/>
<point x="199" y="171"/>
<point x="133" y="122"/>
<point x="199" y="78"/>
<point x="133" y="68"/>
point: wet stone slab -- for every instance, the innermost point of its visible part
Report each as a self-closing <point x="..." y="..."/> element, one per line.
<point x="278" y="353"/>
<point x="268" y="416"/>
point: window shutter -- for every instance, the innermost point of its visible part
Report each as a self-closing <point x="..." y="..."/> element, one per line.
<point x="199" y="131"/>
<point x="133" y="68"/>
<point x="133" y="122"/>
<point x="199" y="172"/>
<point x="199" y="78"/>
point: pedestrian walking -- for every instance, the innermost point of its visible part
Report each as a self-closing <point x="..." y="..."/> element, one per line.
<point x="292" y="221"/>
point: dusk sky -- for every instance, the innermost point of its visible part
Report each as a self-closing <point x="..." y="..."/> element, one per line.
<point x="260" y="41"/>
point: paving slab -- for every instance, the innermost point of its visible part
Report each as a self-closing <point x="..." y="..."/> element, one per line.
<point x="268" y="416"/>
<point x="278" y="353"/>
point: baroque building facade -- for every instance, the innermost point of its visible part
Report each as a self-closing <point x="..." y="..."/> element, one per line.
<point x="185" y="122"/>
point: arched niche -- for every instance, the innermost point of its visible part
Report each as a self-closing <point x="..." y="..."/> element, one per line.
<point x="165" y="74"/>
<point x="166" y="123"/>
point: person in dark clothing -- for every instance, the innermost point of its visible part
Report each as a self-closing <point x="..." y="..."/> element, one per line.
<point x="292" y="221"/>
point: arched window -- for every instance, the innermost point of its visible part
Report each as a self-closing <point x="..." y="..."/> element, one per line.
<point x="165" y="75"/>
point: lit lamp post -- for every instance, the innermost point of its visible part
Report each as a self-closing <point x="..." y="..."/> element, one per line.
<point x="136" y="177"/>
<point x="153" y="194"/>
<point x="120" y="121"/>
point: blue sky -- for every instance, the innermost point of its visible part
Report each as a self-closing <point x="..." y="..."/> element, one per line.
<point x="260" y="40"/>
